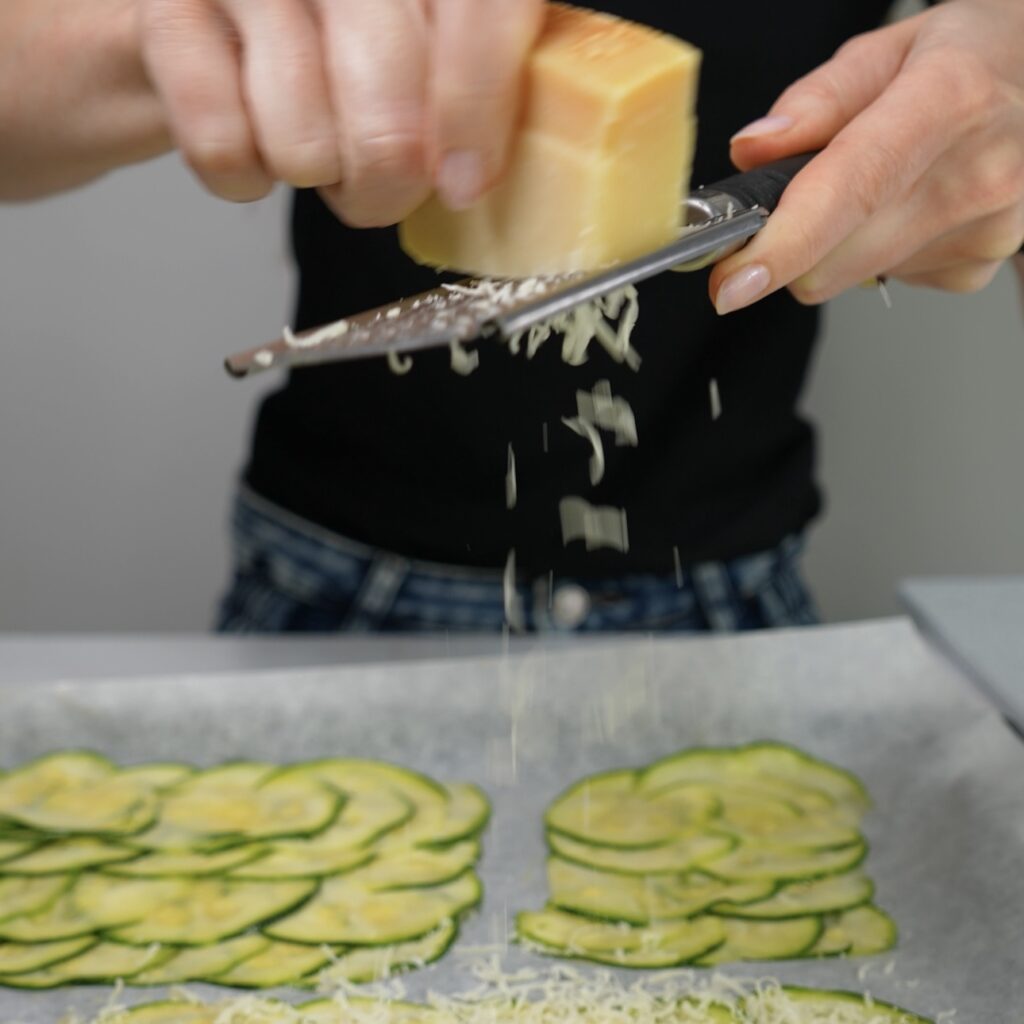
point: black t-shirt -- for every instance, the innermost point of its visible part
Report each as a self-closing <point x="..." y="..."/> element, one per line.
<point x="416" y="464"/>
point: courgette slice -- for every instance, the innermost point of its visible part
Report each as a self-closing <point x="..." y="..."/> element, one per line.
<point x="202" y="962"/>
<point x="103" y="963"/>
<point x="110" y="902"/>
<point x="12" y="848"/>
<point x="297" y="858"/>
<point x="20" y="896"/>
<point x="870" y="930"/>
<point x="654" y="946"/>
<point x="764" y="940"/>
<point x="346" y="914"/>
<point x="280" y="963"/>
<point x="226" y="801"/>
<point x="62" y="919"/>
<point x="354" y="775"/>
<point x="417" y="867"/>
<point x="158" y="775"/>
<point x="213" y="909"/>
<point x="167" y="1011"/>
<point x="461" y="815"/>
<point x="813" y="1006"/>
<point x="610" y="810"/>
<point x="834" y="941"/>
<point x="170" y="864"/>
<point x="638" y="899"/>
<point x="19" y="958"/>
<point x="752" y="862"/>
<point x="70" y="854"/>
<point x="375" y="963"/>
<point x="76" y="793"/>
<point x="671" y="858"/>
<point x="806" y="833"/>
<point x="798" y="899"/>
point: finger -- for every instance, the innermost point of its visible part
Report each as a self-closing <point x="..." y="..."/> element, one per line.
<point x="286" y="91"/>
<point x="194" y="65"/>
<point x="377" y="67"/>
<point x="964" y="279"/>
<point x="480" y="47"/>
<point x="877" y="157"/>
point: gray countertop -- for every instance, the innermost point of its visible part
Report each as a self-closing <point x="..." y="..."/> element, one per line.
<point x="979" y="623"/>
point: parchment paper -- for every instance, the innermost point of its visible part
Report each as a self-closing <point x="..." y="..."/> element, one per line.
<point x="946" y="774"/>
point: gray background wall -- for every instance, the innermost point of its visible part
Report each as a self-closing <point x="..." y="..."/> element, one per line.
<point x="120" y="438"/>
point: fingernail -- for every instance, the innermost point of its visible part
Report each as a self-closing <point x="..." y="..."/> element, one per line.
<point x="742" y="288"/>
<point x="461" y="179"/>
<point x="764" y="126"/>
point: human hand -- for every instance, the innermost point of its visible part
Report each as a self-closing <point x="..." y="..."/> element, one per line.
<point x="922" y="173"/>
<point x="375" y="103"/>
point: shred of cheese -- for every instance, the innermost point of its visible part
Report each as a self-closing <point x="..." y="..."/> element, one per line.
<point x="716" y="399"/>
<point x="597" y="526"/>
<point x="587" y="430"/>
<point x="608" y="412"/>
<point x="464" y="361"/>
<point x="330" y="332"/>
<point x="511" y="483"/>
<point x="399" y="364"/>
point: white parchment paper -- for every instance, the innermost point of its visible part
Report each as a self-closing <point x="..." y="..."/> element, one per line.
<point x="946" y="774"/>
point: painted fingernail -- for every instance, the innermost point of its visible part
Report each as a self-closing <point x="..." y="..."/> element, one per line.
<point x="764" y="126"/>
<point x="461" y="179"/>
<point x="742" y="288"/>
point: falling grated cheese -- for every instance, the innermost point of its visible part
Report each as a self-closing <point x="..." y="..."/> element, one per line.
<point x="511" y="485"/>
<point x="679" y="567"/>
<point x="513" y="602"/>
<point x="588" y="432"/>
<point x="264" y="358"/>
<point x="596" y="526"/>
<point x="716" y="399"/>
<point x="399" y="364"/>
<point x="464" y="362"/>
<point x="608" y="412"/>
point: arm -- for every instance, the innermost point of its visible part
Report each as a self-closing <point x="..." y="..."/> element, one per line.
<point x="75" y="100"/>
<point x="922" y="171"/>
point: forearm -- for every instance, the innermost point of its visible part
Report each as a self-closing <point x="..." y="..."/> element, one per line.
<point x="75" y="100"/>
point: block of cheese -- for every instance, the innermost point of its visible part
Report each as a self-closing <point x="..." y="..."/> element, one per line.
<point x="599" y="165"/>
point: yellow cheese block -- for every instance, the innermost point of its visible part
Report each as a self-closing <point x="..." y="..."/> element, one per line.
<point x="598" y="167"/>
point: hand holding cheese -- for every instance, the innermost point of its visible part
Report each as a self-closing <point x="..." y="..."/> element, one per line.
<point x="922" y="175"/>
<point x="376" y="103"/>
<point x="599" y="164"/>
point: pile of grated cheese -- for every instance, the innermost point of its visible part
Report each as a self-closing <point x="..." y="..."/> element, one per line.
<point x="559" y="995"/>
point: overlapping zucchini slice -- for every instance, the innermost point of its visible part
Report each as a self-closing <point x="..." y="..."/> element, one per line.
<point x="757" y="847"/>
<point x="247" y="874"/>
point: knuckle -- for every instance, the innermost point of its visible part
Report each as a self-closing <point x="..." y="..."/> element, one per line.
<point x="383" y="157"/>
<point x="219" y="156"/>
<point x="308" y="163"/>
<point x="998" y="175"/>
<point x="809" y="291"/>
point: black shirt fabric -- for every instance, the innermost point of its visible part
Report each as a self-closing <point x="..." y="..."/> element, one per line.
<point x="416" y="464"/>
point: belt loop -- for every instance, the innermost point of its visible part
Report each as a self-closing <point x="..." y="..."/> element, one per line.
<point x="377" y="592"/>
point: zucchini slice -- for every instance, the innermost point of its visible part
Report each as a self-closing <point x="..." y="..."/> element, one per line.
<point x="671" y="858"/>
<point x="76" y="793"/>
<point x="280" y="963"/>
<point x="764" y="940"/>
<point x="12" y="848"/>
<point x="659" y="945"/>
<point x="346" y="914"/>
<point x="610" y="810"/>
<point x="17" y="958"/>
<point x="203" y="962"/>
<point x="353" y="775"/>
<point x="167" y="1011"/>
<point x="103" y="963"/>
<point x="62" y="919"/>
<point x="638" y="899"/>
<point x="417" y="867"/>
<point x="237" y="800"/>
<point x="20" y="896"/>
<point x="869" y="930"/>
<point x="71" y="854"/>
<point x="158" y="775"/>
<point x="813" y="1006"/>
<point x="112" y="902"/>
<point x="798" y="899"/>
<point x="170" y="864"/>
<point x="302" y="858"/>
<point x="806" y="833"/>
<point x="462" y="814"/>
<point x="834" y="940"/>
<point x="751" y="862"/>
<point x="785" y="763"/>
<point x="212" y="909"/>
<point x="375" y="963"/>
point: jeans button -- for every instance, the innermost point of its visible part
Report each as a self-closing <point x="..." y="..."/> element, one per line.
<point x="570" y="606"/>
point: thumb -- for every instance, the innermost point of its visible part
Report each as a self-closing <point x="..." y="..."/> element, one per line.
<point x="812" y="111"/>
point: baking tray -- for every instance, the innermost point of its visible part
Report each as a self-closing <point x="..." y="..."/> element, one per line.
<point x="946" y="774"/>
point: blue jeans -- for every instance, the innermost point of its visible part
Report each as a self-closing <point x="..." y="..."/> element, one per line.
<point x="291" y="576"/>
